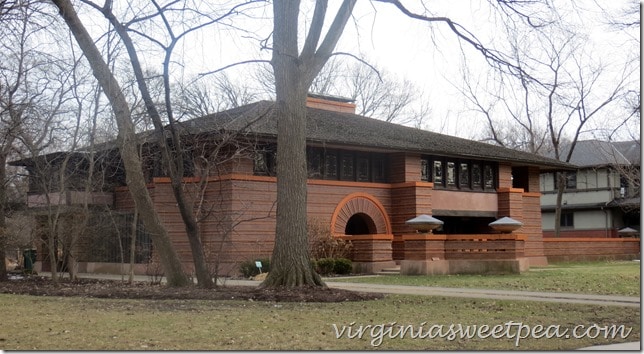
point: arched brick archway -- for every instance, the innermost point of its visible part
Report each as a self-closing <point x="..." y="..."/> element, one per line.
<point x="367" y="207"/>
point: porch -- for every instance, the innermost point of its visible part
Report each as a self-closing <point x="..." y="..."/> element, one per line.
<point x="428" y="254"/>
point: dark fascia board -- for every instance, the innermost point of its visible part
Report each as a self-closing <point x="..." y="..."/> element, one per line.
<point x="588" y="206"/>
<point x="57" y="156"/>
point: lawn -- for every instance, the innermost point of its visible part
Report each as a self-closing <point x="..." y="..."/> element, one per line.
<point x="602" y="278"/>
<point x="79" y="323"/>
<point x="61" y="323"/>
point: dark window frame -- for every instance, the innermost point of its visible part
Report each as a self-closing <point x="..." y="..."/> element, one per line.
<point x="327" y="172"/>
<point x="571" y="180"/>
<point x="567" y="219"/>
<point x="268" y="156"/>
<point x="464" y="178"/>
<point x="363" y="173"/>
<point x="347" y="166"/>
<point x="466" y="182"/>
<point x="366" y="167"/>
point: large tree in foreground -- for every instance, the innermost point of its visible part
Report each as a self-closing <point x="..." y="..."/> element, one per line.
<point x="294" y="72"/>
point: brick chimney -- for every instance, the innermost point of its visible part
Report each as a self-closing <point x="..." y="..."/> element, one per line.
<point x="331" y="103"/>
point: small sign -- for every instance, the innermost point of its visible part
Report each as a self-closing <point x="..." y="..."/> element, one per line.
<point x="258" y="264"/>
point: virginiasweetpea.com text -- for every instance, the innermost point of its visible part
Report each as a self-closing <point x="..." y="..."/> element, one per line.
<point x="517" y="331"/>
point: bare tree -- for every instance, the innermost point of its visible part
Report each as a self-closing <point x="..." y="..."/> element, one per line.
<point x="171" y="149"/>
<point x="558" y="95"/>
<point x="214" y="93"/>
<point x="376" y="92"/>
<point x="294" y="72"/>
<point x="31" y="92"/>
<point x="128" y="145"/>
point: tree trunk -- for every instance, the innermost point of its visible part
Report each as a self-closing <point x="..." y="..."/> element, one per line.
<point x="561" y="186"/>
<point x="52" y="248"/>
<point x="196" y="247"/>
<point x="133" y="234"/>
<point x="128" y="144"/>
<point x="3" y="221"/>
<point x="3" y="255"/>
<point x="173" y="156"/>
<point x="290" y="264"/>
<point x="294" y="73"/>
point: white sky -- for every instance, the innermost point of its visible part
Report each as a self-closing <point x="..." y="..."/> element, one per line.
<point x="407" y="48"/>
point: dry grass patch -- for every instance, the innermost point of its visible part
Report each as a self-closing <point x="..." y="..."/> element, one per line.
<point x="77" y="323"/>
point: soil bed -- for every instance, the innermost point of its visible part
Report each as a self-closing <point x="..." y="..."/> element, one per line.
<point x="43" y="286"/>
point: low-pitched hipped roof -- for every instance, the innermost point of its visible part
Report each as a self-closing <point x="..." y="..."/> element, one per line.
<point x="338" y="128"/>
<point x="348" y="129"/>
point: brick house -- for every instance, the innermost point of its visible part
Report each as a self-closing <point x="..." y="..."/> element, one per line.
<point x="366" y="179"/>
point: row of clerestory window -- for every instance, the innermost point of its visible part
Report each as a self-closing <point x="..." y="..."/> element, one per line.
<point x="331" y="164"/>
<point x="458" y="173"/>
<point x="346" y="165"/>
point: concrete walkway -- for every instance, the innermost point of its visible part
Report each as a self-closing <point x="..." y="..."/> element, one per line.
<point x="606" y="300"/>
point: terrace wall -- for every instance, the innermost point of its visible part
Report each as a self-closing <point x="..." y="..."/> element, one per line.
<point x="563" y="249"/>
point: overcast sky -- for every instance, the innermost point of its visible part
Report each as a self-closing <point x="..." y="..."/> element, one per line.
<point x="428" y="55"/>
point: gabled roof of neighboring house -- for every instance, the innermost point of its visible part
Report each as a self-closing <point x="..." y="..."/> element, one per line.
<point x="330" y="127"/>
<point x="632" y="150"/>
<point x="594" y="153"/>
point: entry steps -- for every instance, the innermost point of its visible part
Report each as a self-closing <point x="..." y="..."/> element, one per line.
<point x="390" y="271"/>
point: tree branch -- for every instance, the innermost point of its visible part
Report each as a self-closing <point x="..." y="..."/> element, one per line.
<point x="462" y="33"/>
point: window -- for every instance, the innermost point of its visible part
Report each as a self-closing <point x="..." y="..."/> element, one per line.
<point x="438" y="172"/>
<point x="451" y="174"/>
<point x="567" y="219"/>
<point x="477" y="178"/>
<point x="571" y="180"/>
<point x="624" y="186"/>
<point x="488" y="177"/>
<point x="265" y="163"/>
<point x="464" y="176"/>
<point x="362" y="168"/>
<point x="346" y="167"/>
<point x="461" y="174"/>
<point x="425" y="172"/>
<point x="314" y="162"/>
<point x="379" y="168"/>
<point x="330" y="165"/>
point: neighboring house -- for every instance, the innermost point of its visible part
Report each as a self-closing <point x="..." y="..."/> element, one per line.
<point x="601" y="197"/>
<point x="366" y="179"/>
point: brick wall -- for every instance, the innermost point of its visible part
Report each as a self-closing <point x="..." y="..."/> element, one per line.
<point x="411" y="199"/>
<point x="404" y="167"/>
<point x="588" y="249"/>
<point x="601" y="233"/>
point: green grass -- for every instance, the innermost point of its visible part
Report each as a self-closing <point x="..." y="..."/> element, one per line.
<point x="603" y="278"/>
<point x="55" y="323"/>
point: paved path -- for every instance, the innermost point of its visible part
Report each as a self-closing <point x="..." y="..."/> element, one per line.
<point x="609" y="300"/>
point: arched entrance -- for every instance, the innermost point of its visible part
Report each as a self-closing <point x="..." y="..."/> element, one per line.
<point x="362" y="219"/>
<point x="360" y="214"/>
<point x="360" y="224"/>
